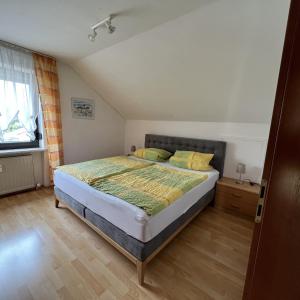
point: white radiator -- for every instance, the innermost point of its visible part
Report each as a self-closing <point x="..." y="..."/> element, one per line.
<point x="16" y="173"/>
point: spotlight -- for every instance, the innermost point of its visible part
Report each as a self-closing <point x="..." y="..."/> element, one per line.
<point x="109" y="27"/>
<point x="104" y="23"/>
<point x="92" y="36"/>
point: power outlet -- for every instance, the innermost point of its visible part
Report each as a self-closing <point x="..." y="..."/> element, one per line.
<point x="1" y="168"/>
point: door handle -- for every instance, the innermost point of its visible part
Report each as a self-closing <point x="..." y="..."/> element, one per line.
<point x="261" y="201"/>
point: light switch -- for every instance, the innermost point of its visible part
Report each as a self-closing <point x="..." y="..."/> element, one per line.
<point x="1" y="168"/>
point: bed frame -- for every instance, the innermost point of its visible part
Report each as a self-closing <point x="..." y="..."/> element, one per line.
<point x="136" y="251"/>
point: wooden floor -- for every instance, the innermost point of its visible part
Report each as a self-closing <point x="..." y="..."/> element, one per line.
<point x="48" y="253"/>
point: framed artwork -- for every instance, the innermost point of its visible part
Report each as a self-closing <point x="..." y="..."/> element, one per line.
<point x="83" y="108"/>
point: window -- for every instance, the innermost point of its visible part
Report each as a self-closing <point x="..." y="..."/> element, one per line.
<point x="19" y="102"/>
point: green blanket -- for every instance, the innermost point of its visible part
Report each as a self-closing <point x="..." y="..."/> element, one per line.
<point x="151" y="188"/>
<point x="90" y="171"/>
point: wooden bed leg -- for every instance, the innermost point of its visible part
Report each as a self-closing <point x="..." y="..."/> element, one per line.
<point x="140" y="271"/>
<point x="56" y="201"/>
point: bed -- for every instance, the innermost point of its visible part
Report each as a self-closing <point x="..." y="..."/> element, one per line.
<point x="127" y="227"/>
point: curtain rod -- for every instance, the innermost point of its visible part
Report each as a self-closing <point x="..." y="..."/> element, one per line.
<point x="14" y="46"/>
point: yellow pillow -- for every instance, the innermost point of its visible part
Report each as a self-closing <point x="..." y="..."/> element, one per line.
<point x="152" y="154"/>
<point x="192" y="160"/>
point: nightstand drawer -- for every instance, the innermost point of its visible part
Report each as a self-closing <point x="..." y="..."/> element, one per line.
<point x="236" y="200"/>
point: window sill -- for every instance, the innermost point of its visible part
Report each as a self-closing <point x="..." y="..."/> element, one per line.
<point x="20" y="151"/>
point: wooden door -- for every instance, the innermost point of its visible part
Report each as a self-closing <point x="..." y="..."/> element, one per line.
<point x="274" y="264"/>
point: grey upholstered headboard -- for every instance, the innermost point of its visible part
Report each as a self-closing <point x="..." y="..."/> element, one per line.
<point x="172" y="143"/>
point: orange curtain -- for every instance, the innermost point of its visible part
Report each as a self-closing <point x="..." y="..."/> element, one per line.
<point x="47" y="79"/>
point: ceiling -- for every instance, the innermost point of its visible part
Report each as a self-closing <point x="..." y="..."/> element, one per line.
<point x="60" y="27"/>
<point x="218" y="63"/>
<point x="191" y="60"/>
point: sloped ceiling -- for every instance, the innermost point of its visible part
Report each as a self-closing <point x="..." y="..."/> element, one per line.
<point x="217" y="63"/>
<point x="196" y="60"/>
<point x="60" y="27"/>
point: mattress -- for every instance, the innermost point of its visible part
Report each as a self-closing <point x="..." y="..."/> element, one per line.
<point x="129" y="218"/>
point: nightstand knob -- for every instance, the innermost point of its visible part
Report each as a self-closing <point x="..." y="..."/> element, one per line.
<point x="235" y="206"/>
<point x="236" y="195"/>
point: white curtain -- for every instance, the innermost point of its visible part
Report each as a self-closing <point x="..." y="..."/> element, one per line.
<point x="18" y="90"/>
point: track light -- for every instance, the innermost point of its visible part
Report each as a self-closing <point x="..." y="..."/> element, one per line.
<point x="104" y="23"/>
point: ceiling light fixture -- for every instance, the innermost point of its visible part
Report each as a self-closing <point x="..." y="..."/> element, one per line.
<point x="104" y="23"/>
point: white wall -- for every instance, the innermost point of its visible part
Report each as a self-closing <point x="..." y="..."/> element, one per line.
<point x="246" y="142"/>
<point x="87" y="139"/>
<point x="104" y="136"/>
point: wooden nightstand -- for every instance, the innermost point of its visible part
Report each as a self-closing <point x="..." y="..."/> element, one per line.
<point x="237" y="198"/>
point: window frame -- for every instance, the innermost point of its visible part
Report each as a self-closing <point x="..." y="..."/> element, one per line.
<point x="24" y="145"/>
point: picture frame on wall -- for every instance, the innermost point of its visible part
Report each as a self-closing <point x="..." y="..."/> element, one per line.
<point x="83" y="108"/>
